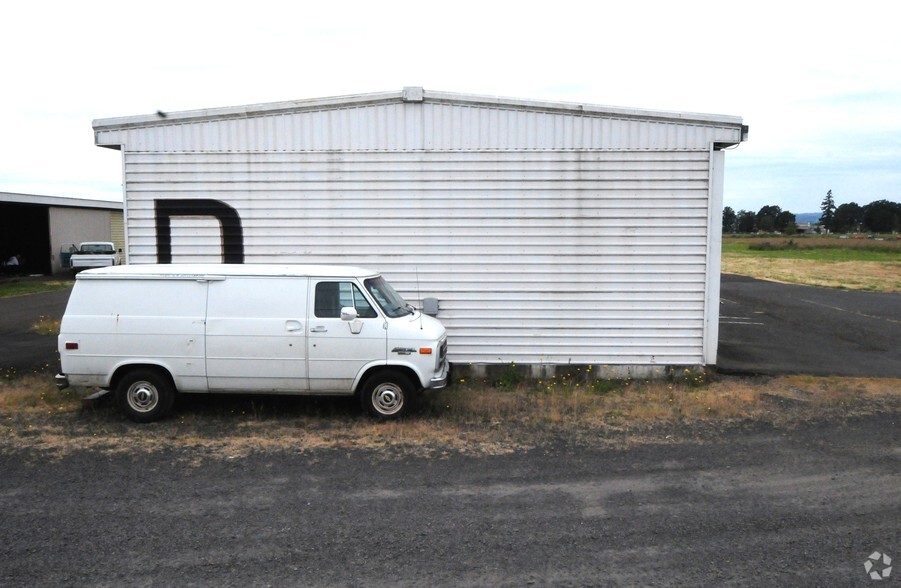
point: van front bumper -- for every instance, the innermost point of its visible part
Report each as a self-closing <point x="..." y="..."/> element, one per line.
<point x="440" y="381"/>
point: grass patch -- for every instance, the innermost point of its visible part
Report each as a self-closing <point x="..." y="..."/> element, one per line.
<point x="854" y="264"/>
<point x="856" y="275"/>
<point x="23" y="286"/>
<point x="472" y="419"/>
<point x="815" y="249"/>
<point x="46" y="325"/>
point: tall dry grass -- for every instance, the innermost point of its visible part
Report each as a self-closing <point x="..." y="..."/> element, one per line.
<point x="873" y="276"/>
<point x="469" y="418"/>
<point x="813" y="260"/>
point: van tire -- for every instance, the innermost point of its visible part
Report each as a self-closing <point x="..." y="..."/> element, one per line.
<point x="145" y="395"/>
<point x="387" y="395"/>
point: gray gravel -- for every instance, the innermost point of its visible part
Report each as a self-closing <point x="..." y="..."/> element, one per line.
<point x="752" y="507"/>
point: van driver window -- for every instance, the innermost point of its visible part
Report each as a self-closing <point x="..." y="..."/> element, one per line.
<point x="331" y="297"/>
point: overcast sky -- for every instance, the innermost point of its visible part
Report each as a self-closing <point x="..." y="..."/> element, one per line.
<point x="819" y="83"/>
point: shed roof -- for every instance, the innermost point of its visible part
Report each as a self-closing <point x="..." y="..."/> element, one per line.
<point x="104" y="127"/>
<point x="59" y="201"/>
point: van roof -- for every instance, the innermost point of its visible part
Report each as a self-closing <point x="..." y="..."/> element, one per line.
<point x="221" y="270"/>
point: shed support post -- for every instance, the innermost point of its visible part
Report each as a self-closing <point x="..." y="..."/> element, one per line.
<point x="714" y="255"/>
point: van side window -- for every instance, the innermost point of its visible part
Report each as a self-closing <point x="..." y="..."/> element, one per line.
<point x="331" y="297"/>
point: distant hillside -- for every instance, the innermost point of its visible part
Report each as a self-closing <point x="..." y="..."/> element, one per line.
<point x="808" y="217"/>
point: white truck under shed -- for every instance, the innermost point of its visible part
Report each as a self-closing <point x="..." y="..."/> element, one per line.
<point x="41" y="229"/>
<point x="551" y="233"/>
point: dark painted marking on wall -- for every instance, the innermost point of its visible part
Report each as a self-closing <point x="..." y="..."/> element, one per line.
<point x="229" y="222"/>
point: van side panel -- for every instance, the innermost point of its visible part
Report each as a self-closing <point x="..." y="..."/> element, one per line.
<point x="135" y="321"/>
<point x="257" y="334"/>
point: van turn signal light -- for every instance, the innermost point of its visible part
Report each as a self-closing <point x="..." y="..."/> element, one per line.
<point x="425" y="350"/>
<point x="71" y="345"/>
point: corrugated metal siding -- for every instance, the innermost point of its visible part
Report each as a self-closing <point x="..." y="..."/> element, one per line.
<point x="117" y="230"/>
<point x="584" y="256"/>
<point x="420" y="126"/>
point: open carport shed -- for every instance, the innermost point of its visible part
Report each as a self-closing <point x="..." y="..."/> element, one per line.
<point x="38" y="227"/>
<point x="551" y="233"/>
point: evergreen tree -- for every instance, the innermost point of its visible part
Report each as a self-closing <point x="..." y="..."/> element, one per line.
<point x="729" y="219"/>
<point x="827" y="219"/>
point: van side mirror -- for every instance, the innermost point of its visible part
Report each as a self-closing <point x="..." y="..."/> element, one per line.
<point x="349" y="313"/>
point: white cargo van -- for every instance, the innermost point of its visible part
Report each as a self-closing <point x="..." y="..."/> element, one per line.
<point x="148" y="332"/>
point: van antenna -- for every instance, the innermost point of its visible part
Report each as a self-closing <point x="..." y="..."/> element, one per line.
<point x="419" y="294"/>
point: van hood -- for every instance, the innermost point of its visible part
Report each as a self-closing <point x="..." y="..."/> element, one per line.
<point x="422" y="324"/>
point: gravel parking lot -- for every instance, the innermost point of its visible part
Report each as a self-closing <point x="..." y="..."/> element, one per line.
<point x="760" y="507"/>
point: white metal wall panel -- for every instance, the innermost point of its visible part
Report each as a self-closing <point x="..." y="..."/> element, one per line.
<point x="420" y="126"/>
<point x="544" y="256"/>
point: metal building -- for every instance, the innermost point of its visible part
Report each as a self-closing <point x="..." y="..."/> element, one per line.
<point x="551" y="233"/>
<point x="39" y="227"/>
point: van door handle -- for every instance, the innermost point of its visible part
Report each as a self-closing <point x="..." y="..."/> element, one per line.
<point x="319" y="329"/>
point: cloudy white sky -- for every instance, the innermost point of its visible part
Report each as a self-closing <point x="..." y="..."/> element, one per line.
<point x="819" y="83"/>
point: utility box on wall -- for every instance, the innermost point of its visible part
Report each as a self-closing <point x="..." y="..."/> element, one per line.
<point x="552" y="233"/>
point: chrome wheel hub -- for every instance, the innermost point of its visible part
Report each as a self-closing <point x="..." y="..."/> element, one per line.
<point x="142" y="396"/>
<point x="387" y="398"/>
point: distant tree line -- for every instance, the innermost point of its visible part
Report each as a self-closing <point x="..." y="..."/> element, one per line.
<point x="769" y="219"/>
<point x="881" y="216"/>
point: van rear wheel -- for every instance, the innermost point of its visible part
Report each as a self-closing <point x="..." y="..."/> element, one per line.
<point x="387" y="396"/>
<point x="145" y="395"/>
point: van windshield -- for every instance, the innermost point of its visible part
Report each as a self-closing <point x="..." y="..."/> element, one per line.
<point x="386" y="297"/>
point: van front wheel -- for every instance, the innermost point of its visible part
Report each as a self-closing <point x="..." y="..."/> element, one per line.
<point x="387" y="396"/>
<point x="144" y="395"/>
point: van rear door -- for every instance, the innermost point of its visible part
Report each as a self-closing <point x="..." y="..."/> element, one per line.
<point x="256" y="334"/>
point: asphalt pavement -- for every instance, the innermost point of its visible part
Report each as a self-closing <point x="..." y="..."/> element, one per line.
<point x="21" y="349"/>
<point x="772" y="328"/>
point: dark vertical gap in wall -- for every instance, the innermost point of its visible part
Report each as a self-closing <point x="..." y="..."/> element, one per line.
<point x="25" y="231"/>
